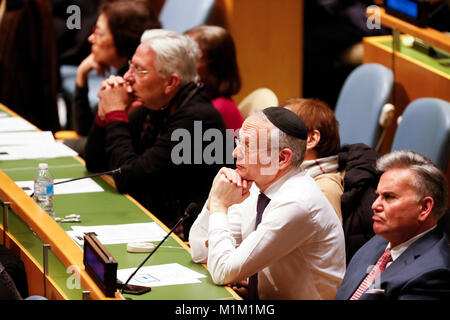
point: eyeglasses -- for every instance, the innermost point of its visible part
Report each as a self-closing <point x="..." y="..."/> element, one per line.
<point x="136" y="71"/>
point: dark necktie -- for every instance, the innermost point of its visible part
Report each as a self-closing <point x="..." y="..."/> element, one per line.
<point x="263" y="201"/>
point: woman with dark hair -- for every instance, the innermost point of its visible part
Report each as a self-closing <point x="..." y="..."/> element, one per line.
<point x="114" y="40"/>
<point x="218" y="70"/>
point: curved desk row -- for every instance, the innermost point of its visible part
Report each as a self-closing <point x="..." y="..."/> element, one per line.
<point x="31" y="234"/>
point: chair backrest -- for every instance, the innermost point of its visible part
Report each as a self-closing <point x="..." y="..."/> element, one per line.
<point x="257" y="100"/>
<point x="425" y="128"/>
<point x="361" y="99"/>
<point x="182" y="15"/>
<point x="68" y="79"/>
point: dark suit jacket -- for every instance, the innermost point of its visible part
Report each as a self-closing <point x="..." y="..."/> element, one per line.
<point x="421" y="272"/>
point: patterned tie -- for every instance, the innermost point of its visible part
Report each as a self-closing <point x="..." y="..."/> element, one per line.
<point x="263" y="201"/>
<point x="376" y="271"/>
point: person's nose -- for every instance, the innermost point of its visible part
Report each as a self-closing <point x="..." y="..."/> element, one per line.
<point x="91" y="38"/>
<point x="377" y="205"/>
<point x="128" y="76"/>
<point x="237" y="153"/>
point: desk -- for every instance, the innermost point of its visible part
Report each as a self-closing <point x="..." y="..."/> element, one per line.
<point x="109" y="207"/>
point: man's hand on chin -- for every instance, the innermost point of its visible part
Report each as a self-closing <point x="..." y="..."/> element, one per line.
<point x="225" y="192"/>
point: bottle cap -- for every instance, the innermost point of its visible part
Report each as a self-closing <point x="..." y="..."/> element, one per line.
<point x="43" y="166"/>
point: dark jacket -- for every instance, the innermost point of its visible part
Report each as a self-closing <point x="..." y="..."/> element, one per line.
<point x="422" y="271"/>
<point x="13" y="279"/>
<point x="28" y="62"/>
<point x="142" y="148"/>
<point x="360" y="183"/>
<point x="82" y="113"/>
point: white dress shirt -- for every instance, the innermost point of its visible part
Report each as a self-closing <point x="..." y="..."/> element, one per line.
<point x="298" y="248"/>
<point x="399" y="249"/>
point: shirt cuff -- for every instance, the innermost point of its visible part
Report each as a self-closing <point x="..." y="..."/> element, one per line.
<point x="218" y="220"/>
<point x="99" y="122"/>
<point x="117" y="115"/>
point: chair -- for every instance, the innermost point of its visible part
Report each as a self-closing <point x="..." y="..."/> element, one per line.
<point x="182" y="15"/>
<point x="425" y="128"/>
<point x="257" y="100"/>
<point x="359" y="106"/>
<point x="68" y="76"/>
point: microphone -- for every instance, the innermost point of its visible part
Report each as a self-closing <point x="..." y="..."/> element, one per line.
<point x="118" y="170"/>
<point x="192" y="209"/>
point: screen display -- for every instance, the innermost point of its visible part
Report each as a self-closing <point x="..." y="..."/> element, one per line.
<point x="94" y="262"/>
<point x="406" y="6"/>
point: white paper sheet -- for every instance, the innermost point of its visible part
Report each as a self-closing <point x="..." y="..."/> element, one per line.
<point x="160" y="275"/>
<point x="11" y="124"/>
<point x="78" y="186"/>
<point x="26" y="138"/>
<point x="36" y="151"/>
<point x="121" y="233"/>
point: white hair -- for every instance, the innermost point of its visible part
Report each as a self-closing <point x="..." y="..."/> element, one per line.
<point x="175" y="53"/>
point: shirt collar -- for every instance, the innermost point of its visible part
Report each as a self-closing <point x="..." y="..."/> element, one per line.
<point x="399" y="249"/>
<point x="274" y="187"/>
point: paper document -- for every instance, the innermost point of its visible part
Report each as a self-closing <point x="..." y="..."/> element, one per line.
<point x="15" y="124"/>
<point x="120" y="233"/>
<point x="78" y="186"/>
<point x="26" y="138"/>
<point x="160" y="275"/>
<point x="35" y="151"/>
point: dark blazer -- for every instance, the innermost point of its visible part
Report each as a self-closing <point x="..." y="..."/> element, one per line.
<point x="421" y="272"/>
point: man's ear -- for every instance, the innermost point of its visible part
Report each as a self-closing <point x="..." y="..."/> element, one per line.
<point x="313" y="139"/>
<point x="426" y="206"/>
<point x="172" y="83"/>
<point x="284" y="157"/>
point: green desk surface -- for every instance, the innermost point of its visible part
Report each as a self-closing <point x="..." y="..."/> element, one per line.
<point x="422" y="57"/>
<point x="106" y="208"/>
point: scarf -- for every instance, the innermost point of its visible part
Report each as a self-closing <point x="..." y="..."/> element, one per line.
<point x="320" y="166"/>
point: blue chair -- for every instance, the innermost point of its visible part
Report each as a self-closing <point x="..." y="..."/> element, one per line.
<point x="425" y="128"/>
<point x="359" y="106"/>
<point x="182" y="15"/>
<point x="68" y="75"/>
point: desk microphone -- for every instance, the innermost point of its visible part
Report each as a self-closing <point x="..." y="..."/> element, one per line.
<point x="192" y="209"/>
<point x="118" y="170"/>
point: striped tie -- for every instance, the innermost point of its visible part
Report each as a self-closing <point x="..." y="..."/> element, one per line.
<point x="376" y="271"/>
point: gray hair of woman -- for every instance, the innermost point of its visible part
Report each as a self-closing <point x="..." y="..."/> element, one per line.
<point x="175" y="53"/>
<point x="429" y="180"/>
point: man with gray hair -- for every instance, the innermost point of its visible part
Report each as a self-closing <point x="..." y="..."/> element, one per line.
<point x="409" y="257"/>
<point x="161" y="88"/>
<point x="268" y="221"/>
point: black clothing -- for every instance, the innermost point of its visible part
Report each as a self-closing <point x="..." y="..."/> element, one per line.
<point x="28" y="62"/>
<point x="143" y="149"/>
<point x="13" y="279"/>
<point x="82" y="113"/>
<point x="360" y="183"/>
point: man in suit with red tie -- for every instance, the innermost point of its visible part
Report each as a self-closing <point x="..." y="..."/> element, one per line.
<point x="409" y="257"/>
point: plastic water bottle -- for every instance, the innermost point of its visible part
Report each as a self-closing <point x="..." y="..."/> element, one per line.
<point x="43" y="189"/>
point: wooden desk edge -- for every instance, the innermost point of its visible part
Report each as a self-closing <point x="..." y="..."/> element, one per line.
<point x="374" y="40"/>
<point x="47" y="230"/>
<point x="429" y="35"/>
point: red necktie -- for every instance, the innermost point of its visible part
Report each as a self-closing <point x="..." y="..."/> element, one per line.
<point x="376" y="271"/>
